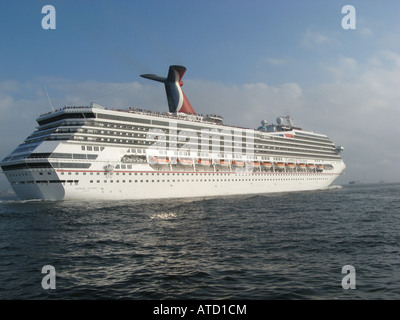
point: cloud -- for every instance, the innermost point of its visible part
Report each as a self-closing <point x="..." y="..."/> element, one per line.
<point x="343" y="69"/>
<point x="275" y="61"/>
<point x="311" y="39"/>
<point x="244" y="105"/>
<point x="6" y="102"/>
<point x="365" y="26"/>
<point x="365" y="32"/>
<point x="359" y="109"/>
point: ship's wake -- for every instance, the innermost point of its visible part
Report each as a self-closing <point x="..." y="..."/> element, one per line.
<point x="334" y="187"/>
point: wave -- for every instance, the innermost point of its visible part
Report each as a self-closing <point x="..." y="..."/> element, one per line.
<point x="163" y="216"/>
<point x="334" y="187"/>
<point x="17" y="201"/>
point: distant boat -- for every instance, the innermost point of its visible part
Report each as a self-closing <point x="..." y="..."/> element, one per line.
<point x="354" y="182"/>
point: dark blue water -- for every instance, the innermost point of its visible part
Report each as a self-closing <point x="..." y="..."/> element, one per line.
<point x="276" y="246"/>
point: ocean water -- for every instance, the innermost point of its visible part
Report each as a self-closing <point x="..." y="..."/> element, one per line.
<point x="259" y="247"/>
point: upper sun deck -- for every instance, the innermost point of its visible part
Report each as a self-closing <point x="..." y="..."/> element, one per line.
<point x="96" y="111"/>
<point x="89" y="112"/>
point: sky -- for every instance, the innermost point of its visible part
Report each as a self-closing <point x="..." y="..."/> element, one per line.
<point x="246" y="60"/>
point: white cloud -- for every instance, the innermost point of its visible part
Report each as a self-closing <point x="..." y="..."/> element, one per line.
<point x="361" y="112"/>
<point x="244" y="105"/>
<point x="365" y="25"/>
<point x="312" y="39"/>
<point x="390" y="56"/>
<point x="365" y="32"/>
<point x="342" y="70"/>
<point x="6" y="102"/>
<point x="275" y="61"/>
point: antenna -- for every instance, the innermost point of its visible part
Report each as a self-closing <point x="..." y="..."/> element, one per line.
<point x="51" y="106"/>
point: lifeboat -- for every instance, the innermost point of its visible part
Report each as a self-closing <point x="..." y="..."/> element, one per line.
<point x="266" y="164"/>
<point x="320" y="167"/>
<point x="222" y="163"/>
<point x="160" y="160"/>
<point x="238" y="163"/>
<point x="184" y="161"/>
<point x="290" y="165"/>
<point x="301" y="166"/>
<point x="203" y="162"/>
<point x="279" y="165"/>
<point x="254" y="163"/>
<point x="310" y="166"/>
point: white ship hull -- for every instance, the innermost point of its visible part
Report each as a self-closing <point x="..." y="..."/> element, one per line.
<point x="153" y="185"/>
<point x="143" y="181"/>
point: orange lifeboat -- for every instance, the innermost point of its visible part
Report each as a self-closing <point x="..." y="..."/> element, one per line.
<point x="222" y="163"/>
<point x="203" y="162"/>
<point x="279" y="165"/>
<point x="290" y="165"/>
<point x="266" y="165"/>
<point x="238" y="163"/>
<point x="184" y="161"/>
<point x="160" y="160"/>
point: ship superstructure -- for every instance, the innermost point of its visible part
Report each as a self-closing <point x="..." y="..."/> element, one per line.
<point x="91" y="152"/>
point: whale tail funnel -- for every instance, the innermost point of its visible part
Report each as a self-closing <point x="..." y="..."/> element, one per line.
<point x="177" y="100"/>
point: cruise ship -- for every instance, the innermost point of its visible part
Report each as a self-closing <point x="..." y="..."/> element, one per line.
<point x="93" y="152"/>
